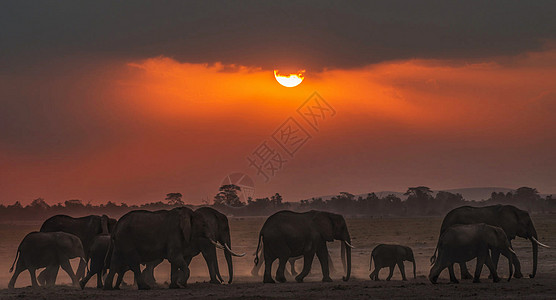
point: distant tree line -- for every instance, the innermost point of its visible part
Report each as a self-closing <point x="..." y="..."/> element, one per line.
<point x="420" y="201"/>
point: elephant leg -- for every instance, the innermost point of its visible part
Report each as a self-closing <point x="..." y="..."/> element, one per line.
<point x="307" y="262"/>
<point x="66" y="266"/>
<point x="479" y="268"/>
<point x="491" y="267"/>
<point x="51" y="272"/>
<point x="109" y="279"/>
<point x="148" y="272"/>
<point x="292" y="266"/>
<point x="464" y="271"/>
<point x="83" y="282"/>
<point x="174" y="276"/>
<point x="34" y="282"/>
<point x="115" y="266"/>
<point x="99" y="280"/>
<point x="374" y="274"/>
<point x="322" y="255"/>
<point x="453" y="278"/>
<point x="184" y="275"/>
<point x="268" y="260"/>
<point x="18" y="269"/>
<point x="331" y="264"/>
<point x="391" y="272"/>
<point x="517" y="265"/>
<point x="120" y="279"/>
<point x="282" y="261"/>
<point x="85" y="279"/>
<point x="42" y="278"/>
<point x="178" y="263"/>
<point x="402" y="270"/>
<point x="495" y="258"/>
<point x="210" y="257"/>
<point x="136" y="269"/>
<point x="81" y="268"/>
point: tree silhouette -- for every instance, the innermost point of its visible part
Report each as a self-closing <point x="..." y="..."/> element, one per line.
<point x="39" y="203"/>
<point x="228" y="195"/>
<point x="174" y="198"/>
<point x="276" y="200"/>
<point x="419" y="200"/>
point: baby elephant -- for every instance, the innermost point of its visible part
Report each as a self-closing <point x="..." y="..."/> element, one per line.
<point x="390" y="256"/>
<point x="462" y="243"/>
<point x="100" y="259"/>
<point x="46" y="249"/>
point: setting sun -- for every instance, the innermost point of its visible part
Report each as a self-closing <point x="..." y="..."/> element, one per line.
<point x="290" y="80"/>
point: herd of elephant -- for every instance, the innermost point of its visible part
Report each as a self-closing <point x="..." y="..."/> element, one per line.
<point x="143" y="237"/>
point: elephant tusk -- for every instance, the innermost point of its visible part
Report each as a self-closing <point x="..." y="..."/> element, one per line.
<point x="217" y="245"/>
<point x="539" y="243"/>
<point x="348" y="244"/>
<point x="232" y="252"/>
<point x="512" y="251"/>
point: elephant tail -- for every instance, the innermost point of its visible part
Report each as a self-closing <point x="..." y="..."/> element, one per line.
<point x="433" y="257"/>
<point x="82" y="259"/>
<point x="107" y="256"/>
<point x="16" y="256"/>
<point x="257" y="252"/>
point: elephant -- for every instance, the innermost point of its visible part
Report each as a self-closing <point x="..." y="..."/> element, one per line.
<point x="46" y="249"/>
<point x="514" y="222"/>
<point x="86" y="228"/>
<point x="217" y="224"/>
<point x="291" y="261"/>
<point x="462" y="243"/>
<point x="100" y="255"/>
<point x="142" y="236"/>
<point x="389" y="256"/>
<point x="288" y="234"/>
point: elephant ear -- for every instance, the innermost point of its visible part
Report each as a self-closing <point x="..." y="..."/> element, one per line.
<point x="491" y="235"/>
<point x="324" y="226"/>
<point x="185" y="225"/>
<point x="409" y="253"/>
<point x="508" y="220"/>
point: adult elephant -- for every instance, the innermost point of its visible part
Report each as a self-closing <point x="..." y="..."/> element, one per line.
<point x="462" y="243"/>
<point x="289" y="234"/>
<point x="142" y="236"/>
<point x="46" y="249"/>
<point x="514" y="222"/>
<point x="85" y="228"/>
<point x="217" y="224"/>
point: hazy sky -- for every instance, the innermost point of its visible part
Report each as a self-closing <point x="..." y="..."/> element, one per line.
<point x="128" y="101"/>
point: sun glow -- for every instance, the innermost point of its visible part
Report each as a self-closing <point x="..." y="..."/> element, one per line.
<point x="289" y="80"/>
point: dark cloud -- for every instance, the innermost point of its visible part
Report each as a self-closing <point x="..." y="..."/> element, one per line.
<point x="316" y="34"/>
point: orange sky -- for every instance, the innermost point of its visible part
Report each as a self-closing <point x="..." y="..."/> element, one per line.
<point x="132" y="131"/>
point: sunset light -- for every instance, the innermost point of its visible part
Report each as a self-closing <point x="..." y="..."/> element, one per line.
<point x="290" y="80"/>
<point x="149" y="136"/>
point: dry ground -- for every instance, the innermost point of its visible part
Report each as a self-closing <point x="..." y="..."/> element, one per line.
<point x="418" y="233"/>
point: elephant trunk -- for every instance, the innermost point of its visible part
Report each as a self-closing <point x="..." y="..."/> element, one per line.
<point x="535" y="255"/>
<point x="348" y="260"/>
<point x="343" y="254"/>
<point x="228" y="256"/>
<point x="510" y="264"/>
<point x="414" y="271"/>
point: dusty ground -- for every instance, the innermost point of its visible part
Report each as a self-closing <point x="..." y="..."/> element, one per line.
<point x="418" y="233"/>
